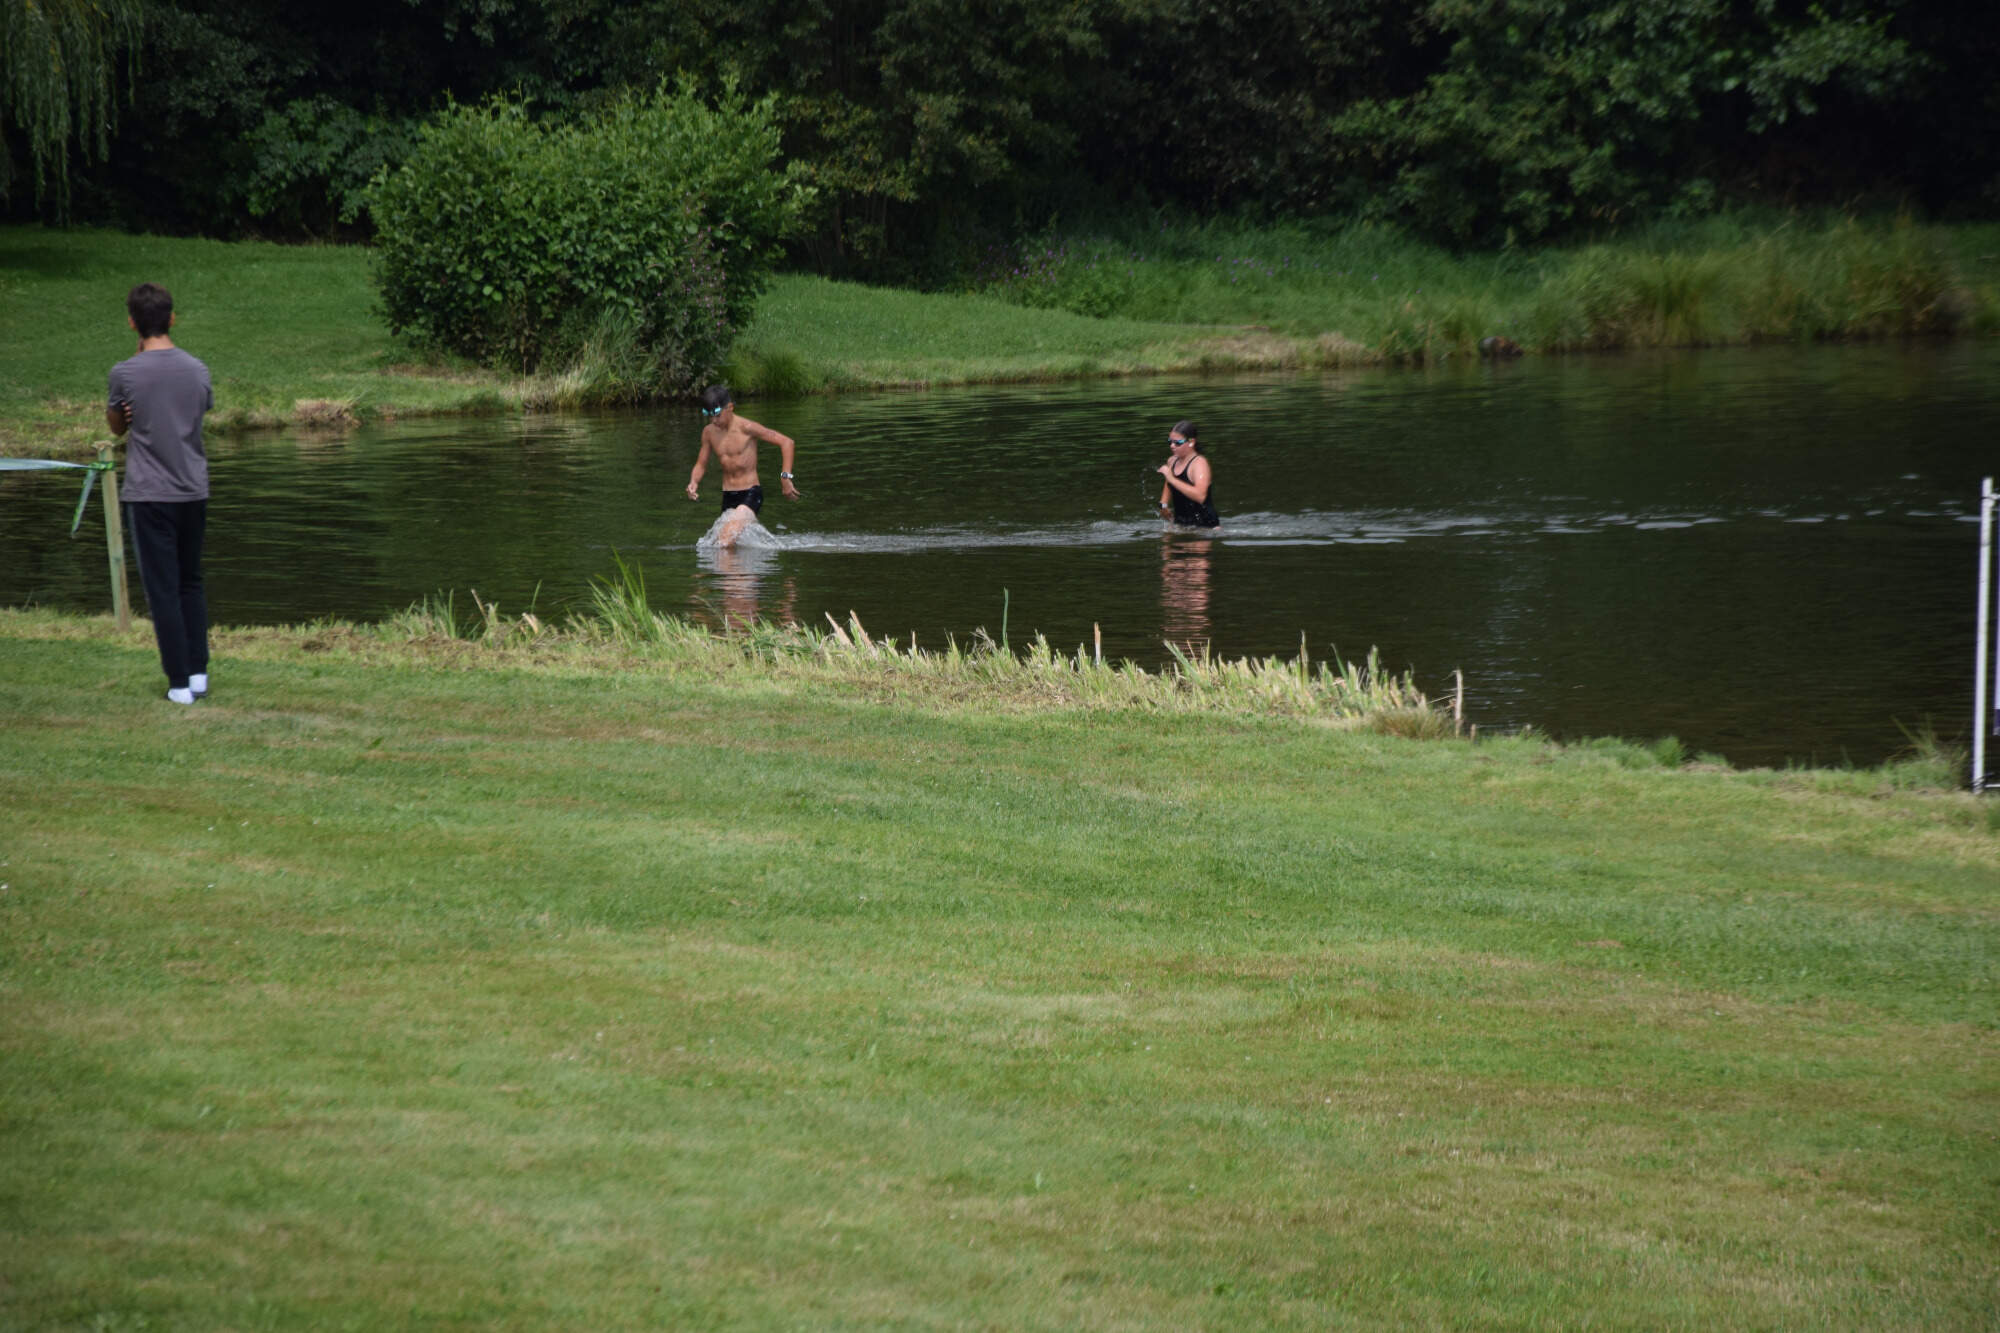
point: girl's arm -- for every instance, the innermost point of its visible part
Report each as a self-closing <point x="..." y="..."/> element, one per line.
<point x="1194" y="486"/>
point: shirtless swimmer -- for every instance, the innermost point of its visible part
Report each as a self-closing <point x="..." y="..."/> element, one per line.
<point x="733" y="441"/>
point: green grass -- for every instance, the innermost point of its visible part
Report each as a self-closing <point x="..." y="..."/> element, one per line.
<point x="1729" y="279"/>
<point x="291" y="336"/>
<point x="811" y="333"/>
<point x="287" y="331"/>
<point x="529" y="981"/>
<point x="1975" y="250"/>
<point x="1353" y="281"/>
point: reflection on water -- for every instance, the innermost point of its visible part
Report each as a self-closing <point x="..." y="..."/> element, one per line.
<point x="1184" y="568"/>
<point x="734" y="559"/>
<point x="1766" y="553"/>
<point x="731" y="592"/>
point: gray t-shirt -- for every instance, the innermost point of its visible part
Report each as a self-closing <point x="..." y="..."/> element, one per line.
<point x="169" y="391"/>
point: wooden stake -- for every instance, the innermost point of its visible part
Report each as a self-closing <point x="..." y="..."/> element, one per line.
<point x="114" y="542"/>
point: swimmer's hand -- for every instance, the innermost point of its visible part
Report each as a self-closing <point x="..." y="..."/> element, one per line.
<point x="1164" y="468"/>
<point x="693" y="494"/>
<point x="785" y="485"/>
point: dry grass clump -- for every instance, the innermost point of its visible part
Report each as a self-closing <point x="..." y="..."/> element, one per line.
<point x="324" y="413"/>
<point x="1333" y="350"/>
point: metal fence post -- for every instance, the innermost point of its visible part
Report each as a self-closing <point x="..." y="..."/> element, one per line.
<point x="1982" y="715"/>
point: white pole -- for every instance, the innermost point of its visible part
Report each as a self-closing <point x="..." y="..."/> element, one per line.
<point x="1982" y="720"/>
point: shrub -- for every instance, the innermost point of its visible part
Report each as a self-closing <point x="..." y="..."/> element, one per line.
<point x="634" y="241"/>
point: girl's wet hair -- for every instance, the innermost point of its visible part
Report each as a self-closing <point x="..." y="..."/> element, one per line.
<point x="1189" y="431"/>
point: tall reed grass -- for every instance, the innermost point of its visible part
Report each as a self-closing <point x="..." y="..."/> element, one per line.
<point x="620" y="618"/>
<point x="619" y="632"/>
<point x="1390" y="297"/>
<point x="620" y="626"/>
<point x="1846" y="280"/>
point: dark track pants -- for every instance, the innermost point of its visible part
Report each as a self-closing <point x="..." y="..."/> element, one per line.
<point x="167" y="539"/>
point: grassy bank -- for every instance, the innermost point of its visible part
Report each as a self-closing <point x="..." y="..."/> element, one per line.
<point x="518" y="980"/>
<point x="1724" y="281"/>
<point x="291" y="337"/>
<point x="287" y="331"/>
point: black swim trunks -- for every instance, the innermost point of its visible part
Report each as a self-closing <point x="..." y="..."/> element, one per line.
<point x="754" y="497"/>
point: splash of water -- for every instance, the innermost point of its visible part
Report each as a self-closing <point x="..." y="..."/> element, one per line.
<point x="738" y="527"/>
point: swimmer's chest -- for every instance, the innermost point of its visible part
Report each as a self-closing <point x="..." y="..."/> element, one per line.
<point x="729" y="444"/>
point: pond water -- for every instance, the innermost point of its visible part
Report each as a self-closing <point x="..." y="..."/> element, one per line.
<point x="1767" y="553"/>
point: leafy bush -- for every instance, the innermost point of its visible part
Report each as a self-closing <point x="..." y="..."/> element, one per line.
<point x="635" y="241"/>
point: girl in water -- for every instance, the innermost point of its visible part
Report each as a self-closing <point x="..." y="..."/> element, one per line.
<point x="1186" y="498"/>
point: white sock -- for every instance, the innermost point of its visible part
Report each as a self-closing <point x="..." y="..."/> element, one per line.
<point x="198" y="682"/>
<point x="181" y="696"/>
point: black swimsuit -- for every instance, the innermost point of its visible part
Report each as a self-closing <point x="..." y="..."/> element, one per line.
<point x="1191" y="513"/>
<point x="754" y="497"/>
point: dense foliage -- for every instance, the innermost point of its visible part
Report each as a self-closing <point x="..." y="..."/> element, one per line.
<point x="1548" y="112"/>
<point x="637" y="236"/>
<point x="59" y="60"/>
<point x="932" y="126"/>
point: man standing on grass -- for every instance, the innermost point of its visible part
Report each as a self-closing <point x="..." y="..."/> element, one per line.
<point x="160" y="394"/>
<point x="733" y="441"/>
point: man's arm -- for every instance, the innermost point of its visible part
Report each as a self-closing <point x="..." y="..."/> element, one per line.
<point x="118" y="408"/>
<point x="700" y="466"/>
<point x="784" y="443"/>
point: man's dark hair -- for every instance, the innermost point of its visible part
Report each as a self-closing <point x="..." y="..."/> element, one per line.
<point x="715" y="397"/>
<point x="151" y="309"/>
<point x="1187" y="430"/>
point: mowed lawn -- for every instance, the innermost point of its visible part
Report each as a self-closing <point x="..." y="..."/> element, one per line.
<point x="413" y="989"/>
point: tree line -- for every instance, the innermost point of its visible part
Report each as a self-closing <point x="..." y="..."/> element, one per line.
<point x="926" y="126"/>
